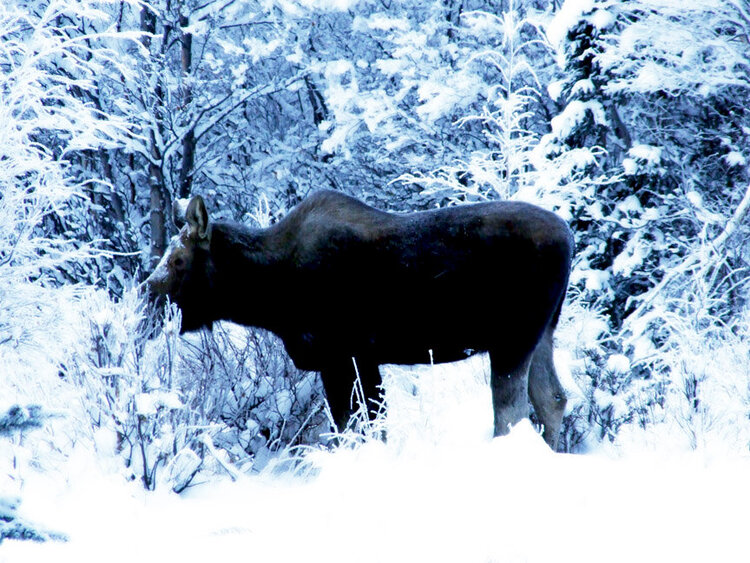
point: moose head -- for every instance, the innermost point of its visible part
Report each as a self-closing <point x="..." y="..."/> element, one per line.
<point x="184" y="272"/>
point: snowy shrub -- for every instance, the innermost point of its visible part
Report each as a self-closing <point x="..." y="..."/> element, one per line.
<point x="46" y="70"/>
<point x="243" y="380"/>
<point x="179" y="405"/>
<point x="126" y="391"/>
<point x="19" y="419"/>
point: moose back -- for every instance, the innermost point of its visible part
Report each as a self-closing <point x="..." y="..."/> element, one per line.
<point x="344" y="285"/>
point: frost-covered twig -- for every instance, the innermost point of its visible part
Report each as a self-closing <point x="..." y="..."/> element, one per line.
<point x="209" y="443"/>
<point x="715" y="248"/>
<point x="733" y="224"/>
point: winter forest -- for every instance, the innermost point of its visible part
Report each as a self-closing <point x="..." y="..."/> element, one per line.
<point x="627" y="118"/>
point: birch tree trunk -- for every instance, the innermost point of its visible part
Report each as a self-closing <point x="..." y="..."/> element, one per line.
<point x="157" y="189"/>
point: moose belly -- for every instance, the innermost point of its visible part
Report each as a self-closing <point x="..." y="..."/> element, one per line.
<point x="315" y="352"/>
<point x="410" y="336"/>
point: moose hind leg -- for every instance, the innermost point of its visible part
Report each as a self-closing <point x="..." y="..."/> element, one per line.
<point x="545" y="391"/>
<point x="509" y="384"/>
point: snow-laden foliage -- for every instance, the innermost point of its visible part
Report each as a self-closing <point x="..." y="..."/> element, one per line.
<point x="46" y="68"/>
<point x="520" y="157"/>
<point x="629" y="119"/>
<point x="243" y="382"/>
<point x="171" y="407"/>
<point x="665" y="243"/>
<point x="44" y="121"/>
<point x="698" y="48"/>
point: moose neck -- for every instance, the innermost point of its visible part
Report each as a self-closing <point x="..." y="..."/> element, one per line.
<point x="248" y="279"/>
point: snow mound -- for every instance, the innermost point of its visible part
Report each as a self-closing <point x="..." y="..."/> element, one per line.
<point x="504" y="499"/>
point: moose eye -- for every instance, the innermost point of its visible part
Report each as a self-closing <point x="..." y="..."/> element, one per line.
<point x="179" y="263"/>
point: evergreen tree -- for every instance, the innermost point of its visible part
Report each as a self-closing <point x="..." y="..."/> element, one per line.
<point x="17" y="420"/>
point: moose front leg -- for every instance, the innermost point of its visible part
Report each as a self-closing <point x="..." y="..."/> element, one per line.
<point x="346" y="383"/>
<point x="509" y="384"/>
<point x="335" y="380"/>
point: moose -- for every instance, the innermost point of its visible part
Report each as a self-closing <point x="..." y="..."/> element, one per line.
<point x="348" y="287"/>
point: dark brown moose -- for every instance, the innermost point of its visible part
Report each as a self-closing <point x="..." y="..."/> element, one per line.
<point x="344" y="285"/>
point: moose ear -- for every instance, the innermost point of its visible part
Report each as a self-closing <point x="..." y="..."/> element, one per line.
<point x="197" y="219"/>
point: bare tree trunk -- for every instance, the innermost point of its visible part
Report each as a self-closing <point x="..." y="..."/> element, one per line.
<point x="118" y="207"/>
<point x="157" y="204"/>
<point x="188" y="140"/>
<point x="157" y="199"/>
<point x="318" y="103"/>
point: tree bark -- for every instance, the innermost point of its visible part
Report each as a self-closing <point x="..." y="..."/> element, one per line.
<point x="188" y="140"/>
<point x="157" y="199"/>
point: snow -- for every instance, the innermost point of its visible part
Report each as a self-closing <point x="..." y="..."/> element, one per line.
<point x="631" y="204"/>
<point x="181" y="469"/>
<point x="442" y="92"/>
<point x="565" y="18"/>
<point x="332" y="5"/>
<point x="629" y="166"/>
<point x="509" y="499"/>
<point x="630" y="259"/>
<point x="641" y="157"/>
<point x="147" y="404"/>
<point x="574" y="113"/>
<point x="381" y="22"/>
<point x="618" y="363"/>
<point x="735" y="158"/>
<point x="602" y="19"/>
<point x="440" y="489"/>
<point x="555" y="88"/>
<point x="582" y="87"/>
<point x="695" y="198"/>
<point x="648" y="153"/>
<point x="596" y="280"/>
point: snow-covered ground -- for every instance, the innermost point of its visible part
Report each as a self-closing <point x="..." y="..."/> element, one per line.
<point x="440" y="489"/>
